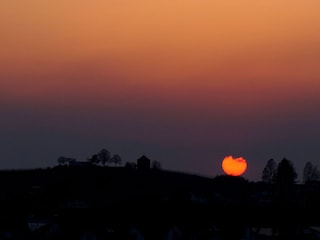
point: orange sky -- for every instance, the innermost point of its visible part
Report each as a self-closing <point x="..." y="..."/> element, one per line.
<point x="177" y="37"/>
<point x="163" y="43"/>
<point x="233" y="57"/>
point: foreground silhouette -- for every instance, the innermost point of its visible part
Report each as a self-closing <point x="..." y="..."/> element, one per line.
<point x="89" y="201"/>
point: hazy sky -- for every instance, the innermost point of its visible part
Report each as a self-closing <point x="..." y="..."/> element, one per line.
<point x="183" y="82"/>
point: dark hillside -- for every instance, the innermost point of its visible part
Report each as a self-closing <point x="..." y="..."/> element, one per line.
<point x="93" y="187"/>
<point x="153" y="200"/>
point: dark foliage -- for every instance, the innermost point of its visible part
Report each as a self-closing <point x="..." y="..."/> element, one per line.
<point x="286" y="173"/>
<point x="269" y="172"/>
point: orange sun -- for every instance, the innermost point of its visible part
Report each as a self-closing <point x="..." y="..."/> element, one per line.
<point x="234" y="166"/>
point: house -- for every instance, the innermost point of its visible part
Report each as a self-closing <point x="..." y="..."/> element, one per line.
<point x="143" y="163"/>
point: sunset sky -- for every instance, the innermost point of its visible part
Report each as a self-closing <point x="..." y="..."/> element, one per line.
<point x="184" y="82"/>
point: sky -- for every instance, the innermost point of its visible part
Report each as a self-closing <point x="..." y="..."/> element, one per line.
<point x="185" y="83"/>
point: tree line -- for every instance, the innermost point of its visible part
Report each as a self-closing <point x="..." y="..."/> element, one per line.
<point x="105" y="158"/>
<point x="102" y="157"/>
<point x="284" y="172"/>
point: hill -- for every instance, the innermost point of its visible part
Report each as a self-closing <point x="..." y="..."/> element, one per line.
<point x="96" y="197"/>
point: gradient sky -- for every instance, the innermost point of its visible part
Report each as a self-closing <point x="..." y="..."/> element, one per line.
<point x="183" y="82"/>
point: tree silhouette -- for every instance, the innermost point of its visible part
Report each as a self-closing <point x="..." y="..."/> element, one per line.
<point x="286" y="173"/>
<point x="269" y="172"/>
<point x="94" y="159"/>
<point x="285" y="181"/>
<point x="310" y="172"/>
<point x="104" y="156"/>
<point x="130" y="165"/>
<point x="116" y="159"/>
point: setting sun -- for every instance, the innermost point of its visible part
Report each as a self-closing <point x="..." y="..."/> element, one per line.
<point x="234" y="166"/>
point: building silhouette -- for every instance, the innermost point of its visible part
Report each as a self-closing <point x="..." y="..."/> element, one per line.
<point x="143" y="163"/>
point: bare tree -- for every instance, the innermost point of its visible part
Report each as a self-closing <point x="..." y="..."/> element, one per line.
<point x="104" y="156"/>
<point x="269" y="171"/>
<point x="116" y="159"/>
<point x="94" y="159"/>
<point x="310" y="172"/>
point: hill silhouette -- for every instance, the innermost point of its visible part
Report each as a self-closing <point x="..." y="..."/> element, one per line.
<point x="153" y="200"/>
